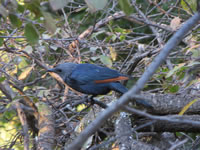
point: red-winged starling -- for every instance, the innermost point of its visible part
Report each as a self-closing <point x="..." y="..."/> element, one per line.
<point x="92" y="79"/>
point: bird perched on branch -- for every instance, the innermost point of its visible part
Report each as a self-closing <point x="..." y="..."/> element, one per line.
<point x="92" y="79"/>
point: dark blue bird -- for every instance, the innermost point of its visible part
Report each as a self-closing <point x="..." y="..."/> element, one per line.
<point x="91" y="79"/>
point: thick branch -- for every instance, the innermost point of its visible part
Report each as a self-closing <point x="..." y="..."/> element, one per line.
<point x="164" y="104"/>
<point x="166" y="126"/>
<point x="24" y="123"/>
<point x="46" y="128"/>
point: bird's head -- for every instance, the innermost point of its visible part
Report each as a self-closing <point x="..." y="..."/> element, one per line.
<point x="63" y="70"/>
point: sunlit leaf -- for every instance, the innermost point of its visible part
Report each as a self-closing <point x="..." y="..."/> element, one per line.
<point x="14" y="71"/>
<point x="31" y="33"/>
<point x="193" y="82"/>
<point x="106" y="60"/>
<point x="28" y="49"/>
<point x="193" y="63"/>
<point x="114" y="37"/>
<point x="95" y="5"/>
<point x="81" y="107"/>
<point x="93" y="49"/>
<point x="42" y="91"/>
<point x="94" y="58"/>
<point x="193" y="47"/>
<point x="15" y="20"/>
<point x="122" y="37"/>
<point x="123" y="31"/>
<point x="195" y="53"/>
<point x="25" y="73"/>
<point x="113" y="53"/>
<point x="126" y="6"/>
<point x="192" y="5"/>
<point x="186" y="107"/>
<point x="171" y="72"/>
<point x="22" y="62"/>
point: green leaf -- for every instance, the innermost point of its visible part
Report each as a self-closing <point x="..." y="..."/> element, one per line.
<point x="50" y="23"/>
<point x="192" y="4"/>
<point x="20" y="8"/>
<point x="126" y="7"/>
<point x="34" y="7"/>
<point x="15" y="20"/>
<point x="97" y="33"/>
<point x="1" y="41"/>
<point x="106" y="60"/>
<point x="195" y="53"/>
<point x="22" y="62"/>
<point x="95" y="5"/>
<point x="31" y="33"/>
<point x="174" y="70"/>
<point x="122" y="37"/>
<point x="58" y="4"/>
<point x="2" y="79"/>
<point x="174" y="88"/>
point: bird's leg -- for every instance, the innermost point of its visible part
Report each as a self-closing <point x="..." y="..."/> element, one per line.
<point x="92" y="101"/>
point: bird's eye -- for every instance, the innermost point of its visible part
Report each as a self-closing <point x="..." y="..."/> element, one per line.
<point x="59" y="70"/>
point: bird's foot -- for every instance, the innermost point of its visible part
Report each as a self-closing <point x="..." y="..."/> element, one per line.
<point x="92" y="101"/>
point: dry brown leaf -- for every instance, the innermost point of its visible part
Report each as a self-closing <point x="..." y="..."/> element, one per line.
<point x="175" y="23"/>
<point x="25" y="73"/>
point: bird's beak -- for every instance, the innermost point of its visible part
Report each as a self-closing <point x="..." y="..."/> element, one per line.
<point x="50" y="70"/>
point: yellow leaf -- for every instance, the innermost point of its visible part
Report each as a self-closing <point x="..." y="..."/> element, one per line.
<point x="192" y="48"/>
<point x="25" y="73"/>
<point x="81" y="107"/>
<point x="113" y="53"/>
<point x="14" y="71"/>
<point x="186" y="107"/>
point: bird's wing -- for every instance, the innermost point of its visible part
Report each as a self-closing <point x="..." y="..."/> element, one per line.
<point x="85" y="73"/>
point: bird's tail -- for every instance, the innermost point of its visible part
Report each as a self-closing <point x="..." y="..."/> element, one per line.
<point x="118" y="87"/>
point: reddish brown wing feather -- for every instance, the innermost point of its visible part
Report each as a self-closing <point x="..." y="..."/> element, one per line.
<point x="111" y="80"/>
